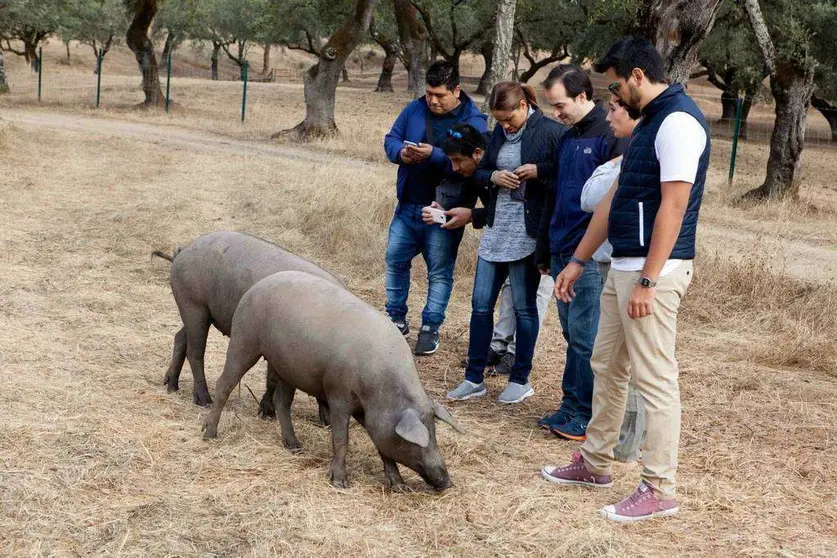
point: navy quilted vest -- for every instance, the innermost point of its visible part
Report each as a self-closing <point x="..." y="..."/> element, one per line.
<point x="638" y="196"/>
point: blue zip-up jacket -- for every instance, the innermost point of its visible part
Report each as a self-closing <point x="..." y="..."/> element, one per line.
<point x="411" y="125"/>
<point x="586" y="145"/>
<point x="638" y="196"/>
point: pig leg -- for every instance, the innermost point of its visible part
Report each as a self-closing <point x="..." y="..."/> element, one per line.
<point x="172" y="377"/>
<point x="196" y="322"/>
<point x="323" y="410"/>
<point x="339" y="419"/>
<point x="267" y="410"/>
<point x="282" y="399"/>
<point x="393" y="475"/>
<point x="240" y="358"/>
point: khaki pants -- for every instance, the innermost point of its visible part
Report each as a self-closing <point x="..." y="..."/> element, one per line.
<point x="647" y="345"/>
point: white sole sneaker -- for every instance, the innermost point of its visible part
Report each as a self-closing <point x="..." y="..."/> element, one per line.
<point x="609" y="512"/>
<point x="546" y="476"/>
<point x="479" y="393"/>
<point x="526" y="395"/>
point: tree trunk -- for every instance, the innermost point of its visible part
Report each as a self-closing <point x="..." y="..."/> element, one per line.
<point x="266" y="59"/>
<point x="792" y="85"/>
<point x="168" y="47"/>
<point x="4" y="85"/>
<point x="143" y="49"/>
<point x="216" y="51"/>
<point x="828" y="110"/>
<point x="321" y="79"/>
<point x="792" y="91"/>
<point x="345" y="74"/>
<point x="413" y="35"/>
<point x="503" y="37"/>
<point x="729" y="106"/>
<point x="487" y="51"/>
<point x="67" y="45"/>
<point x="31" y="50"/>
<point x="677" y="27"/>
<point x="391" y="51"/>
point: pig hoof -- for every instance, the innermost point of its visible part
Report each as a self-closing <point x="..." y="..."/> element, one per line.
<point x="293" y="446"/>
<point x="171" y="384"/>
<point x="267" y="414"/>
<point x="209" y="431"/>
<point x="202" y="399"/>
<point x="338" y="481"/>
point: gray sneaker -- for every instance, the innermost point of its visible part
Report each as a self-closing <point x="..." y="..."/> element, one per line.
<point x="515" y="393"/>
<point x="467" y="390"/>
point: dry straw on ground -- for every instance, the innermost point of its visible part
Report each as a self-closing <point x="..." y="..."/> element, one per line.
<point x="95" y="457"/>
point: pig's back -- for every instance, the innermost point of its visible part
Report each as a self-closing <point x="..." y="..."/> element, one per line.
<point x="218" y="268"/>
<point x="309" y="326"/>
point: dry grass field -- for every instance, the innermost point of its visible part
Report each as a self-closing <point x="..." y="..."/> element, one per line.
<point x="97" y="459"/>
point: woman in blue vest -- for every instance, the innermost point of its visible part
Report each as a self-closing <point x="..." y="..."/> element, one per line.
<point x="517" y="168"/>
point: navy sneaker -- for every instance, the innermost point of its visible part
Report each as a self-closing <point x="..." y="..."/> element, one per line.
<point x="574" y="430"/>
<point x="504" y="367"/>
<point x="556" y="419"/>
<point x="403" y="327"/>
<point x="428" y="341"/>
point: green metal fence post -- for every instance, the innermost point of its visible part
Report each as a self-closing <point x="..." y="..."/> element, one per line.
<point x="739" y="109"/>
<point x="99" y="77"/>
<point x="168" y="80"/>
<point x="40" y="70"/>
<point x="244" y="93"/>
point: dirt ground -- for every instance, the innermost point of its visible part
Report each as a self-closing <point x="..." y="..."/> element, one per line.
<point x="96" y="458"/>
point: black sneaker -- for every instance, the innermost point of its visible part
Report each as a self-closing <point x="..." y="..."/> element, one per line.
<point x="503" y="368"/>
<point x="493" y="358"/>
<point x="403" y="327"/>
<point x="428" y="341"/>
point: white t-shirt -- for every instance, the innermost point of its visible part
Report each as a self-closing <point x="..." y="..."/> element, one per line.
<point x="679" y="144"/>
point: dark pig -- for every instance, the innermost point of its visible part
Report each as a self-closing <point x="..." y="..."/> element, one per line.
<point x="208" y="278"/>
<point x="330" y="344"/>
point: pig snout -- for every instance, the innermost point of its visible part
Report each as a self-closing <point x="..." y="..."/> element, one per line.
<point x="433" y="470"/>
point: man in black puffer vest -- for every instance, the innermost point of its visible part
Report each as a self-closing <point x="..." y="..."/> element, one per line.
<point x="650" y="218"/>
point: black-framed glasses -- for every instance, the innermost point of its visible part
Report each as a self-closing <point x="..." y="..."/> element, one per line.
<point x="614" y="87"/>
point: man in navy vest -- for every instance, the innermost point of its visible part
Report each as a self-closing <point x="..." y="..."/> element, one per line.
<point x="650" y="217"/>
<point x="588" y="144"/>
<point x="413" y="144"/>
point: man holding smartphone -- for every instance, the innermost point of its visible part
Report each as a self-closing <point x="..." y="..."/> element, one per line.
<point x="413" y="144"/>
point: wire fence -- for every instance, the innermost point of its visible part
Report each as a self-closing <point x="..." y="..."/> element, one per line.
<point x="224" y="94"/>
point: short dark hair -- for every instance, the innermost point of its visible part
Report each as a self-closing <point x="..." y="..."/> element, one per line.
<point x="574" y="79"/>
<point x="441" y="73"/>
<point x="463" y="139"/>
<point x="633" y="52"/>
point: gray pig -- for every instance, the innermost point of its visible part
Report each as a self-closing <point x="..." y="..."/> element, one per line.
<point x="208" y="278"/>
<point x="327" y="342"/>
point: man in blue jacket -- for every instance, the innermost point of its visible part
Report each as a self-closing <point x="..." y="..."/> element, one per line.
<point x="588" y="144"/>
<point x="413" y="144"/>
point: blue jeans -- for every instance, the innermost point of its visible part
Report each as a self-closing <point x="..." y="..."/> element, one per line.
<point x="579" y="324"/>
<point x="524" y="278"/>
<point x="409" y="237"/>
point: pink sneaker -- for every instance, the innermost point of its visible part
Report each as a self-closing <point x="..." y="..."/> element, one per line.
<point x="639" y="506"/>
<point x="575" y="473"/>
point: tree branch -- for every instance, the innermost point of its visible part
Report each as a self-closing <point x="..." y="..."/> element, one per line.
<point x="765" y="43"/>
<point x="428" y="24"/>
<point x="13" y="51"/>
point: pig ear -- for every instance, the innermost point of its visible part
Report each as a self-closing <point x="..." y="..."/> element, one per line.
<point x="411" y="429"/>
<point x="444" y="415"/>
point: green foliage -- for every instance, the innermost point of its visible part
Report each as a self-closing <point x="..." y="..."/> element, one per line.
<point x="93" y="22"/>
<point x="730" y="52"/>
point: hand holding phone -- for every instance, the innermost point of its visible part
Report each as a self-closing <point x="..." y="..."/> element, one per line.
<point x="438" y="215"/>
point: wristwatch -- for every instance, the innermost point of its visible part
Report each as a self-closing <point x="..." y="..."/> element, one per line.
<point x="578" y="261"/>
<point x="646" y="283"/>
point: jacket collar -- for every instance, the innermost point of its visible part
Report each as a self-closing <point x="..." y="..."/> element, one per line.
<point x="593" y="117"/>
<point x="662" y="99"/>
